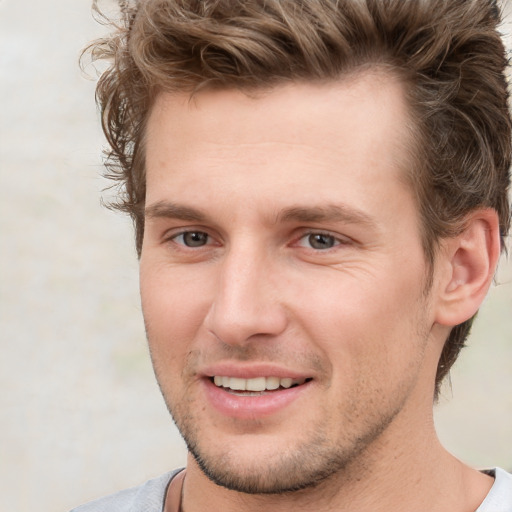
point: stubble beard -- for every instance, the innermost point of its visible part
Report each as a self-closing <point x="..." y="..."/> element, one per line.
<point x="315" y="459"/>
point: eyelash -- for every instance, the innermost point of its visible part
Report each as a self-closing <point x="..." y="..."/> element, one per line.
<point x="191" y="232"/>
<point x="335" y="240"/>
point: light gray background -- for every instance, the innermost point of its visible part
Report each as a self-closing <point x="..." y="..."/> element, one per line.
<point x="80" y="414"/>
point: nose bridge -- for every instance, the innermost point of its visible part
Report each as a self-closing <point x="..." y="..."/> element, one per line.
<point x="246" y="302"/>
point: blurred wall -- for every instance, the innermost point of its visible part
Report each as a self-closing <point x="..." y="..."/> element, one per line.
<point x="80" y="413"/>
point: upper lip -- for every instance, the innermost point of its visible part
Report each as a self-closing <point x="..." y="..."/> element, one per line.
<point x="251" y="371"/>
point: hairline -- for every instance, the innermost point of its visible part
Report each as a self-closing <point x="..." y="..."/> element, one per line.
<point x="409" y="166"/>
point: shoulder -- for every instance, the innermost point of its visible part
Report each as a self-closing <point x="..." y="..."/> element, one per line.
<point x="148" y="497"/>
<point x="499" y="498"/>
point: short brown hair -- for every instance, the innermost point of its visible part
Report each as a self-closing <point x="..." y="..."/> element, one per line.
<point x="449" y="52"/>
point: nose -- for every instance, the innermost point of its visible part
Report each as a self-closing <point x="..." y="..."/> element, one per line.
<point x="246" y="305"/>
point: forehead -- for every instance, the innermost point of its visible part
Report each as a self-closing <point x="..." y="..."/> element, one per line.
<point x="298" y="134"/>
<point x="298" y="105"/>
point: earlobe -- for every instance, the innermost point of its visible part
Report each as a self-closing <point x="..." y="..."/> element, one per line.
<point x="470" y="262"/>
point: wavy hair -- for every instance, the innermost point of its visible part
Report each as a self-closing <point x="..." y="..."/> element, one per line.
<point x="448" y="52"/>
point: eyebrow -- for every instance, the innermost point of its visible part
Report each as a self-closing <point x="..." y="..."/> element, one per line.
<point x="324" y="213"/>
<point x="166" y="209"/>
<point x="329" y="212"/>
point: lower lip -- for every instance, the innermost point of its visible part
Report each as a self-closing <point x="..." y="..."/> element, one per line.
<point x="252" y="407"/>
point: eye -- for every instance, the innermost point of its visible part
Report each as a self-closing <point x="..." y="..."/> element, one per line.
<point x="192" y="238"/>
<point x="319" y="241"/>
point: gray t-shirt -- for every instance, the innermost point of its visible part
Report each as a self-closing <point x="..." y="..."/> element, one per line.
<point x="499" y="498"/>
<point x="149" y="497"/>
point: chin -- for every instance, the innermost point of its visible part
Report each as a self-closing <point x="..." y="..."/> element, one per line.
<point x="261" y="464"/>
<point x="286" y="472"/>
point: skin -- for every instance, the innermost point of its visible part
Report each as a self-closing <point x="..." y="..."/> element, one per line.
<point x="233" y="281"/>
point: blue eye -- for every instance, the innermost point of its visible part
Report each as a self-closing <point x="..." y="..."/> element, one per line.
<point x="192" y="238"/>
<point x="319" y="241"/>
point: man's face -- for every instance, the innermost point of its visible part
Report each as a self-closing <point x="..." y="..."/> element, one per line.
<point x="283" y="278"/>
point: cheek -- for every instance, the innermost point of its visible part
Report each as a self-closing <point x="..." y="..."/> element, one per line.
<point x="174" y="308"/>
<point x="370" y="328"/>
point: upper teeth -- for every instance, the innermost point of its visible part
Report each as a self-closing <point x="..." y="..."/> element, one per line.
<point x="256" y="384"/>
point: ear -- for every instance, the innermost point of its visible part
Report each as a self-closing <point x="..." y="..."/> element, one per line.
<point x="467" y="266"/>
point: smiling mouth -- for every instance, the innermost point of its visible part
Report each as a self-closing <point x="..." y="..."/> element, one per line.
<point x="256" y="386"/>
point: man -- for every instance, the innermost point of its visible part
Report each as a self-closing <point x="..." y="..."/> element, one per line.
<point x="319" y="190"/>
